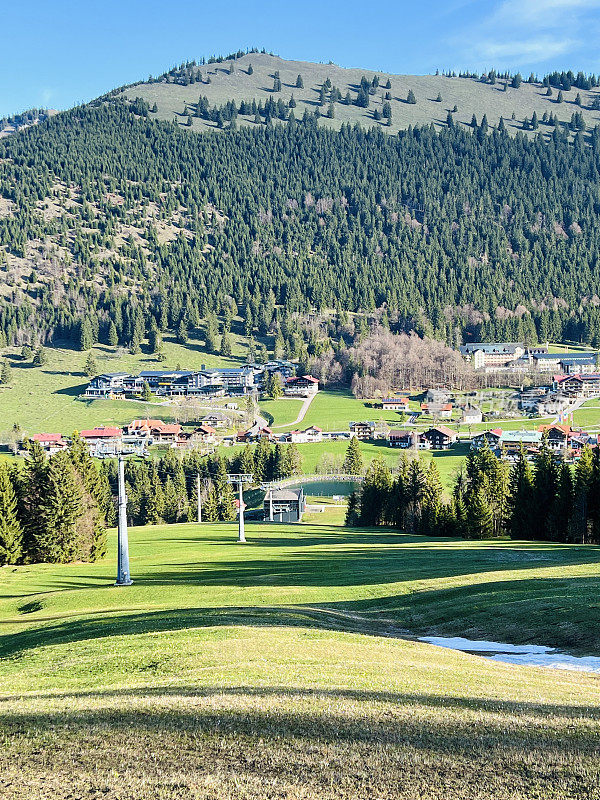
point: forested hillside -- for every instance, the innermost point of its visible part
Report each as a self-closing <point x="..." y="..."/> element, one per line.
<point x="113" y="225"/>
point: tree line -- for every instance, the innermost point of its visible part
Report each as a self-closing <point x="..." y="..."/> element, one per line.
<point x="54" y="509"/>
<point x="547" y="500"/>
<point x="165" y="489"/>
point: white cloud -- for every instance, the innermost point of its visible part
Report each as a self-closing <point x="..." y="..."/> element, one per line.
<point x="528" y="51"/>
<point x="553" y="28"/>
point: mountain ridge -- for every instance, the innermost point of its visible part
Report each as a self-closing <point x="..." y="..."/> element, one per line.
<point x="436" y="96"/>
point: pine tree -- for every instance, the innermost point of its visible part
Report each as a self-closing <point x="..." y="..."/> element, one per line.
<point x="182" y="331"/>
<point x="225" y="348"/>
<point x="170" y="502"/>
<point x="410" y="98"/>
<point x="146" y="392"/>
<point x="353" y="460"/>
<point x="262" y="456"/>
<point x="279" y="465"/>
<point x="113" y="338"/>
<point x="11" y="533"/>
<point x="59" y="541"/>
<point x="226" y="503"/>
<point x="479" y="517"/>
<point x="86" y="336"/>
<point x="432" y="500"/>
<point x="299" y="82"/>
<point x="564" y="504"/>
<point x="210" y="510"/>
<point x="6" y="374"/>
<point x="91" y="365"/>
<point x="293" y="460"/>
<point x="375" y="494"/>
<point x="520" y="498"/>
<point x="276" y="390"/>
<point x="545" y="486"/>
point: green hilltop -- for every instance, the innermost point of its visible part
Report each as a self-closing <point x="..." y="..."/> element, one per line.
<point x="233" y="81"/>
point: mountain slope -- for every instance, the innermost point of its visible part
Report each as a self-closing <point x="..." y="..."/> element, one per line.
<point x="470" y="96"/>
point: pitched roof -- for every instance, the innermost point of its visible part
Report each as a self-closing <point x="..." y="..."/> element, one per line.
<point x="47" y="437"/>
<point x="566" y="429"/>
<point x="444" y="429"/>
<point x="101" y="432"/>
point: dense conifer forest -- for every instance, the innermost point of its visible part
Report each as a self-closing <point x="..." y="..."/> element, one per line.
<point x="545" y="501"/>
<point x="455" y="234"/>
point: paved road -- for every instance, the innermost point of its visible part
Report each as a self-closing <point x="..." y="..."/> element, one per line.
<point x="303" y="409"/>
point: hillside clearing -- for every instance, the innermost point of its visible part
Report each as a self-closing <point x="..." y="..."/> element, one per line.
<point x="175" y="101"/>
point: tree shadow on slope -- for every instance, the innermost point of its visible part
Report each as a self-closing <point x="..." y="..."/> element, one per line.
<point x="548" y="611"/>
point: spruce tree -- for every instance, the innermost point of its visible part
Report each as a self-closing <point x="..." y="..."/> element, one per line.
<point x="60" y="540"/>
<point x="11" y="533"/>
<point x="353" y="460"/>
<point x="479" y="517"/>
<point x="545" y="486"/>
<point x="86" y="336"/>
<point x="226" y="503"/>
<point x="33" y="490"/>
<point x="113" y="338"/>
<point x="6" y="373"/>
<point x="262" y="456"/>
<point x="91" y="366"/>
<point x="210" y="510"/>
<point x="520" y="498"/>
<point x="299" y="82"/>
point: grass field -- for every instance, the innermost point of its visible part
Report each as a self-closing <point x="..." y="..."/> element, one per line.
<point x="48" y="399"/>
<point x="334" y="409"/>
<point x="469" y="96"/>
<point x="588" y="415"/>
<point x="276" y="670"/>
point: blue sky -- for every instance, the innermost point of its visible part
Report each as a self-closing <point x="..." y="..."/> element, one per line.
<point x="59" y="53"/>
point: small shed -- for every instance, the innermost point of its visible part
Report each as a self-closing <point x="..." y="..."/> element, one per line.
<point x="284" y="505"/>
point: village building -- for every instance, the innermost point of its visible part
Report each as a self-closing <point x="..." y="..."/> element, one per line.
<point x="103" y="440"/>
<point x="255" y="433"/>
<point x="438" y="410"/>
<point x="440" y="437"/>
<point x="395" y="404"/>
<point x="471" y="415"/>
<point x="441" y="396"/>
<point x="108" y="385"/>
<point x="490" y="437"/>
<point x="408" y="440"/>
<point x="216" y="420"/>
<point x="362" y="430"/>
<point x="154" y="430"/>
<point x="565" y="363"/>
<point x="51" y="443"/>
<point x="511" y="442"/>
<point x="492" y="355"/>
<point x="557" y="435"/>
<point x="284" y="505"/>
<point x="309" y="435"/>
<point x="203" y="434"/>
<point x="301" y="386"/>
<point x="587" y="385"/>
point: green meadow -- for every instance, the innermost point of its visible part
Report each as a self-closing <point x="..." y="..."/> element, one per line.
<point x="287" y="668"/>
<point x="48" y="399"/>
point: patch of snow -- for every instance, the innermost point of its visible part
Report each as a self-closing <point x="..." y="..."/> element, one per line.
<point x="533" y="655"/>
<point x="481" y="646"/>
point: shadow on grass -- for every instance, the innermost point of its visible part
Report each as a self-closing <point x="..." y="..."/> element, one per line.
<point x="553" y="612"/>
<point x="284" y="693"/>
